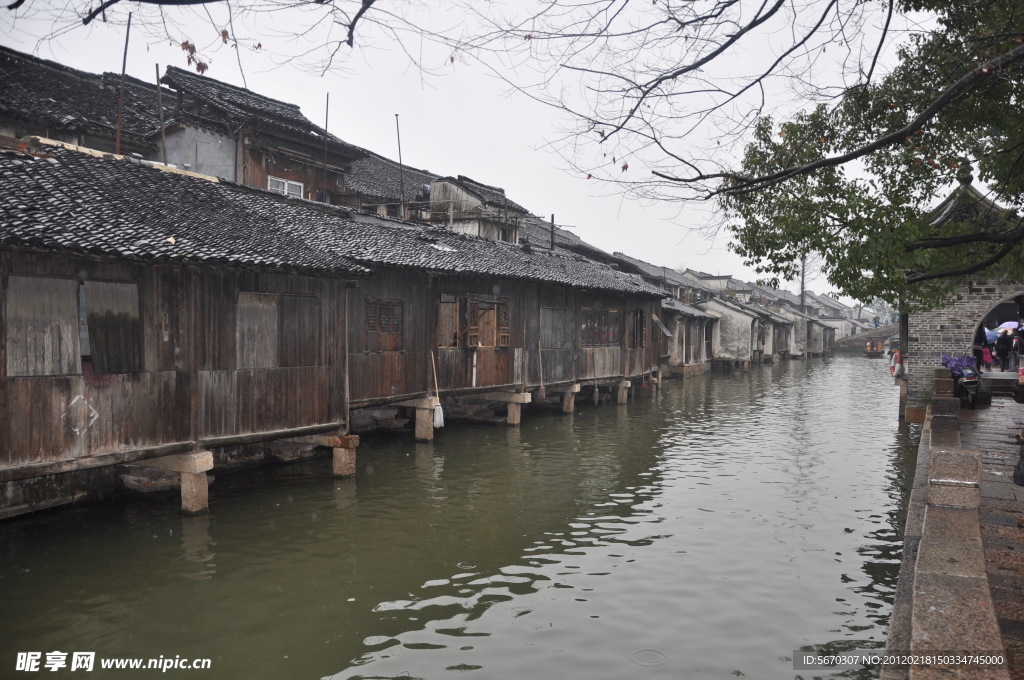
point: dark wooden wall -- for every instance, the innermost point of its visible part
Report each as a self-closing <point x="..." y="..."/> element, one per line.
<point x="193" y="383"/>
<point x="544" y="329"/>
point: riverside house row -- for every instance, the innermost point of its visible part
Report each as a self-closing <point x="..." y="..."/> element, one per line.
<point x="155" y="317"/>
<point x="157" y="322"/>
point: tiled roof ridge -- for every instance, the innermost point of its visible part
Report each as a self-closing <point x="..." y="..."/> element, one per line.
<point x="470" y="180"/>
<point x="33" y="147"/>
<point x="220" y="83"/>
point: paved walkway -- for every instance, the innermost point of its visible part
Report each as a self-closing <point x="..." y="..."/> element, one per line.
<point x="993" y="430"/>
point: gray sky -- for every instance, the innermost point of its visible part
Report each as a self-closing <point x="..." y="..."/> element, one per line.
<point x="464" y="121"/>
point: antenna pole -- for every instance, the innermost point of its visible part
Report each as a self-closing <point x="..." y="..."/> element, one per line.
<point x="120" y="104"/>
<point x="160" y="107"/>
<point x="401" y="169"/>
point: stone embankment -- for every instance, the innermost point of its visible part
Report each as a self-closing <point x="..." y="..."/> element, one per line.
<point x="961" y="584"/>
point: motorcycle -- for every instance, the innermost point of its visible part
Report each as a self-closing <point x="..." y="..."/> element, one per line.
<point x="966" y="379"/>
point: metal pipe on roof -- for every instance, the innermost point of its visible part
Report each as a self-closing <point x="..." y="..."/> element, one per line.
<point x="401" y="171"/>
<point x="160" y="108"/>
<point x="120" y="104"/>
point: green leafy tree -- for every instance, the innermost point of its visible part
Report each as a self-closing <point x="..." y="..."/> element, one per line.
<point x="953" y="101"/>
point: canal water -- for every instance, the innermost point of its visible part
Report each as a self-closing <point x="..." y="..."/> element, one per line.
<point x="705" y="532"/>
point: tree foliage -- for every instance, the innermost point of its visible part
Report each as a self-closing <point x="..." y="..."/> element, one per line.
<point x="953" y="103"/>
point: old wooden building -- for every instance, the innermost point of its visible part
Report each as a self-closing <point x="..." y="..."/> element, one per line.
<point x="152" y="317"/>
<point x="486" y="316"/>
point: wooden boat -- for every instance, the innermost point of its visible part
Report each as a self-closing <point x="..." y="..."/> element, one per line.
<point x="874" y="348"/>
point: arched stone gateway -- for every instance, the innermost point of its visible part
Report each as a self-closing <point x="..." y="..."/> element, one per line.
<point x="950" y="330"/>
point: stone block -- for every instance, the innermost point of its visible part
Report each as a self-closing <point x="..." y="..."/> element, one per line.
<point x="914" y="414"/>
<point x="424" y="428"/>
<point x="343" y="462"/>
<point x="946" y="424"/>
<point x="945" y="406"/>
<point x="192" y="463"/>
<point x="951" y="543"/>
<point x="195" y="494"/>
<point x="954" y="469"/>
<point x="955" y="496"/>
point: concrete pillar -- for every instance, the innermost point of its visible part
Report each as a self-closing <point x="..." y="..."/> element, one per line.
<point x="515" y="413"/>
<point x="195" y="493"/>
<point x="622" y="392"/>
<point x="344" y="461"/>
<point x="568" y="402"/>
<point x="425" y="424"/>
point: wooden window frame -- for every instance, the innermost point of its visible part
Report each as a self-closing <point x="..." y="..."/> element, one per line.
<point x="637" y="329"/>
<point x="383" y="325"/>
<point x="600" y="327"/>
<point x="469" y="311"/>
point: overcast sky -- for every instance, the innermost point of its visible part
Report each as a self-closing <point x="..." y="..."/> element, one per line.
<point x="464" y="122"/>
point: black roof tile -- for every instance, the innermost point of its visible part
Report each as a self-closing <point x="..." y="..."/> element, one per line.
<point x="62" y="98"/>
<point x="65" y="200"/>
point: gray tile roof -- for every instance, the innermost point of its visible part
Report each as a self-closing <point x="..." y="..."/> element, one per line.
<point x="492" y="196"/>
<point x="538" y="232"/>
<point x="439" y="250"/>
<point x="686" y="310"/>
<point x="65" y="200"/>
<point x="229" y="106"/>
<point x="69" y="201"/>
<point x="62" y="98"/>
<point x="381" y="178"/>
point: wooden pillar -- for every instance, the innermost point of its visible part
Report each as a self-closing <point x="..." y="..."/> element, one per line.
<point x="515" y="413"/>
<point x="344" y="457"/>
<point x="622" y="392"/>
<point x="568" y="402"/>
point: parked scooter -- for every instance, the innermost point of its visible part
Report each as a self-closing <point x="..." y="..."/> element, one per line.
<point x="966" y="380"/>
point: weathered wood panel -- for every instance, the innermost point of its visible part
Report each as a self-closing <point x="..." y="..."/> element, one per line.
<point x="42" y="326"/>
<point x="216" y="297"/>
<point x="216" y="403"/>
<point x="166" y="332"/>
<point x="300" y="331"/>
<point x="115" y="338"/>
<point x="256" y="332"/>
<point x="71" y="417"/>
<point x="559" y="365"/>
<point x="42" y="402"/>
<point x="599" y="362"/>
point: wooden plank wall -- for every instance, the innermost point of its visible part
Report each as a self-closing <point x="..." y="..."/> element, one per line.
<point x="188" y="344"/>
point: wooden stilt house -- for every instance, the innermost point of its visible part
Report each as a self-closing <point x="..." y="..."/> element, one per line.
<point x="145" y="313"/>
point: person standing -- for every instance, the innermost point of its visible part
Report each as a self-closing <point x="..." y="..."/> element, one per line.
<point x="1004" y="343"/>
<point x="979" y="348"/>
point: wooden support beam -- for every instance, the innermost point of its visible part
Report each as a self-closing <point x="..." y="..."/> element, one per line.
<point x="504" y="397"/>
<point x="333" y="441"/>
<point x="557" y="389"/>
<point x="424" y="403"/>
<point x="622" y="392"/>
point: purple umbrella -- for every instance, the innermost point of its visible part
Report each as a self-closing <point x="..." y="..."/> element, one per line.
<point x="1007" y="324"/>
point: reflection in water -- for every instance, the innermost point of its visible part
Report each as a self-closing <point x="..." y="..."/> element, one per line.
<point x="196" y="542"/>
<point x="705" y="533"/>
